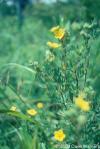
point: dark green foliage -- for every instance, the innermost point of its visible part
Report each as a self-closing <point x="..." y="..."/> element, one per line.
<point x="28" y="77"/>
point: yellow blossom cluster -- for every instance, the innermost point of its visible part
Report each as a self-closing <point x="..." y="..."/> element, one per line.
<point x="53" y="45"/>
<point x="59" y="34"/>
<point x="31" y="112"/>
<point x="40" y="105"/>
<point x="82" y="104"/>
<point x="59" y="135"/>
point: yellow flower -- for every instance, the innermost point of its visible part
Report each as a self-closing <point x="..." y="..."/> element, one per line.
<point x="32" y="112"/>
<point x="53" y="29"/>
<point x="82" y="104"/>
<point x="13" y="108"/>
<point x="40" y="105"/>
<point x="53" y="45"/>
<point x="59" y="135"/>
<point x="58" y="32"/>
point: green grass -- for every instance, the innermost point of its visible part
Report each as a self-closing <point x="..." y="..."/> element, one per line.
<point x="24" y="83"/>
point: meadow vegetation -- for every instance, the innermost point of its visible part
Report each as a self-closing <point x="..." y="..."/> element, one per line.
<point x="49" y="80"/>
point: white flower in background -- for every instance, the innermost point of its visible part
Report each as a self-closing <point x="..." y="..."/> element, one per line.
<point x="49" y="56"/>
<point x="9" y="2"/>
<point x="35" y="63"/>
<point x="49" y="1"/>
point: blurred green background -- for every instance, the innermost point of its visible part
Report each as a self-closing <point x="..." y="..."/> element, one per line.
<point x="24" y="26"/>
<point x="23" y="35"/>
